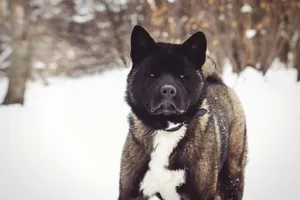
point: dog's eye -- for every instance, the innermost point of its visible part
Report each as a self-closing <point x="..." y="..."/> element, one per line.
<point x="183" y="76"/>
<point x="150" y="74"/>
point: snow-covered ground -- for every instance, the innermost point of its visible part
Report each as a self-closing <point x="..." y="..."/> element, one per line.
<point x="66" y="142"/>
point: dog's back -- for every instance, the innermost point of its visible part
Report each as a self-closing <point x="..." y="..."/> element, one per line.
<point x="210" y="70"/>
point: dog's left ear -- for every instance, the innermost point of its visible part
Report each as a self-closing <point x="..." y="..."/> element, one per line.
<point x="142" y="44"/>
<point x="195" y="49"/>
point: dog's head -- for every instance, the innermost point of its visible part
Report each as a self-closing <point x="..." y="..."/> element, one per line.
<point x="166" y="81"/>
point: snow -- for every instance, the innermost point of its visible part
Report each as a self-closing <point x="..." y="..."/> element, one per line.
<point x="263" y="31"/>
<point x="39" y="65"/>
<point x="100" y="7"/>
<point x="66" y="142"/>
<point x="103" y="25"/>
<point x="273" y="118"/>
<point x="246" y="8"/>
<point x="151" y="3"/>
<point x="83" y="18"/>
<point x="250" y="33"/>
<point x="85" y="11"/>
<point x="221" y="17"/>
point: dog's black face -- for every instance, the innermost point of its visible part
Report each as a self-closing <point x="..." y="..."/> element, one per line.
<point x="166" y="81"/>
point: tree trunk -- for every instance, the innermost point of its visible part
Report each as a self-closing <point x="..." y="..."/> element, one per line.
<point x="297" y="58"/>
<point x="20" y="58"/>
<point x="3" y="9"/>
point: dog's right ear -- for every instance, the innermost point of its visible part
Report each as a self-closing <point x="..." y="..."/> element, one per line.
<point x="142" y="44"/>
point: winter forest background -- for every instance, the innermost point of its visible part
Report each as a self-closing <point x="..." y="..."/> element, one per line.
<point x="63" y="66"/>
<point x="43" y="38"/>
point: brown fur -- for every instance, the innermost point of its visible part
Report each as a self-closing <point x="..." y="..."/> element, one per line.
<point x="210" y="69"/>
<point x="213" y="151"/>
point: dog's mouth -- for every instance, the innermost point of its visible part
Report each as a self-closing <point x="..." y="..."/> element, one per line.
<point x="166" y="108"/>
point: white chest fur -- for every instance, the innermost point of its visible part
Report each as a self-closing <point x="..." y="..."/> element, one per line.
<point x="158" y="178"/>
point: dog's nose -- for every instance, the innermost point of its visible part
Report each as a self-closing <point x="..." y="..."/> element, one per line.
<point x="168" y="91"/>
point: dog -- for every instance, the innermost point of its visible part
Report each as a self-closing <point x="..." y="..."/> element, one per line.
<point x="187" y="130"/>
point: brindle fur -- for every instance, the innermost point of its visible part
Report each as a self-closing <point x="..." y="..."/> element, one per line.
<point x="213" y="152"/>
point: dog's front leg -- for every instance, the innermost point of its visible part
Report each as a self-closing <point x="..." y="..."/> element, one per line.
<point x="206" y="175"/>
<point x="134" y="164"/>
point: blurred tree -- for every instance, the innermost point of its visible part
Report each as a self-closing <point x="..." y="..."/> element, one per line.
<point x="5" y="47"/>
<point x="247" y="33"/>
<point x="296" y="51"/>
<point x="20" y="58"/>
<point x="78" y="37"/>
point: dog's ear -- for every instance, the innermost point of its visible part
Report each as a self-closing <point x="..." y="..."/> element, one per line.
<point x="195" y="49"/>
<point x="142" y="44"/>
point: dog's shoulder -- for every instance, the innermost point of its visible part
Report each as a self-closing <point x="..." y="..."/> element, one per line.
<point x="139" y="134"/>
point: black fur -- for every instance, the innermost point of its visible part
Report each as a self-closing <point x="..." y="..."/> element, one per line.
<point x="158" y="64"/>
<point x="211" y="152"/>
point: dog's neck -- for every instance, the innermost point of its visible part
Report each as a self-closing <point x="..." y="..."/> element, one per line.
<point x="174" y="127"/>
